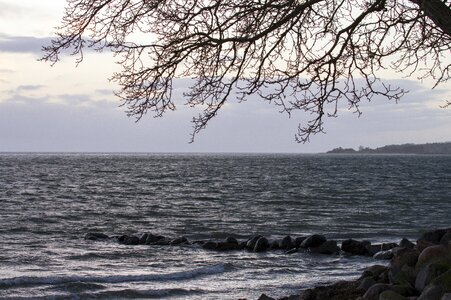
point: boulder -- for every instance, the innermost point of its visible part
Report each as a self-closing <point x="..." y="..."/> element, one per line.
<point x="405" y="243"/>
<point x="427" y="273"/>
<point x="265" y="297"/>
<point x="433" y="236"/>
<point x="366" y="283"/>
<point x="210" y="245"/>
<point x="432" y="292"/>
<point x="95" y="236"/>
<point x="291" y="251"/>
<point x="388" y="246"/>
<point x="446" y="238"/>
<point x="262" y="244"/>
<point x="375" y="290"/>
<point x="275" y="245"/>
<point x="446" y="296"/>
<point x="355" y="247"/>
<point x="374" y="271"/>
<point x="444" y="281"/>
<point x="421" y="245"/>
<point x="388" y="254"/>
<point x="163" y="241"/>
<point x="143" y="238"/>
<point x="231" y="240"/>
<point x="224" y="246"/>
<point x="404" y="256"/>
<point x="131" y="240"/>
<point x="391" y="295"/>
<point x="151" y="238"/>
<point x="250" y="244"/>
<point x="438" y="253"/>
<point x="314" y="240"/>
<point x="372" y="249"/>
<point x="328" y="247"/>
<point x="286" y="243"/>
<point x="298" y="241"/>
<point x="404" y="276"/>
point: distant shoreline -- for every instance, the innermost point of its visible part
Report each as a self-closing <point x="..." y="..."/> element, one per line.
<point x="430" y="148"/>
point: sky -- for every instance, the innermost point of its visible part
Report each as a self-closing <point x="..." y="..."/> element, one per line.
<point x="70" y="108"/>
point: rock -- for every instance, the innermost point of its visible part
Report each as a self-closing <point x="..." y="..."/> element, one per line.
<point x="444" y="281"/>
<point x="143" y="238"/>
<point x="328" y="247"/>
<point x="210" y="245"/>
<point x="391" y="295"/>
<point x="427" y="274"/>
<point x="421" y="245"/>
<point x="374" y="291"/>
<point x="388" y="246"/>
<point x="366" y="283"/>
<point x="262" y="244"/>
<point x="405" y="243"/>
<point x="341" y="290"/>
<point x="431" y="293"/>
<point x="162" y="242"/>
<point x="252" y="241"/>
<point x="286" y="243"/>
<point x="179" y="240"/>
<point x="373" y="249"/>
<point x="433" y="236"/>
<point x="388" y="254"/>
<point x="231" y="240"/>
<point x="224" y="246"/>
<point x="298" y="241"/>
<point x="275" y="245"/>
<point x="95" y="236"/>
<point x="438" y="253"/>
<point x="404" y="276"/>
<point x="355" y="247"/>
<point x="446" y="238"/>
<point x="314" y="240"/>
<point x="446" y="296"/>
<point x="131" y="240"/>
<point x="151" y="238"/>
<point x="404" y="256"/>
<point x="264" y="297"/>
<point x="374" y="271"/>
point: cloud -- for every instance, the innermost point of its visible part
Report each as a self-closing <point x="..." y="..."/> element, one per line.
<point x="23" y="44"/>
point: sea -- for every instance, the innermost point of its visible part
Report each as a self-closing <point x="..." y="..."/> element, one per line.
<point x="50" y="201"/>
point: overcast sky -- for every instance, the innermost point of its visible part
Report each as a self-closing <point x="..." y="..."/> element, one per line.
<point x="69" y="108"/>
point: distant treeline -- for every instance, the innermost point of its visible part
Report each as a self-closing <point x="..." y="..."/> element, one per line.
<point x="432" y="148"/>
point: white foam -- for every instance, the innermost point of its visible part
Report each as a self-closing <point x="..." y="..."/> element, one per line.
<point x="32" y="280"/>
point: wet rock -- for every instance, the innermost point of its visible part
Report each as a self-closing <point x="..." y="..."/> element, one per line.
<point x="446" y="238"/>
<point x="432" y="293"/>
<point x="438" y="253"/>
<point x="404" y="256"/>
<point x="265" y="297"/>
<point x="366" y="283"/>
<point x="421" y="245"/>
<point x="374" y="271"/>
<point x="163" y="241"/>
<point x="433" y="236"/>
<point x="224" y="246"/>
<point x="383" y="255"/>
<point x="179" y="240"/>
<point x="291" y="251"/>
<point x="355" y="247"/>
<point x="95" y="236"/>
<point x="262" y="244"/>
<point x="286" y="243"/>
<point x="252" y="241"/>
<point x="210" y="245"/>
<point x="404" y="276"/>
<point x="275" y="245"/>
<point x="328" y="247"/>
<point x="143" y="238"/>
<point x="298" y="241"/>
<point x="231" y="240"/>
<point x="314" y="240"/>
<point x="151" y="238"/>
<point x="427" y="274"/>
<point x="405" y="243"/>
<point x="372" y="249"/>
<point x="131" y="240"/>
<point x="374" y="291"/>
<point x="446" y="296"/>
<point x="391" y="295"/>
<point x="388" y="246"/>
<point x="443" y="281"/>
<point x="342" y="290"/>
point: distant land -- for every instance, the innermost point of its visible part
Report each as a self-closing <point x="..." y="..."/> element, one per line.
<point x="432" y="148"/>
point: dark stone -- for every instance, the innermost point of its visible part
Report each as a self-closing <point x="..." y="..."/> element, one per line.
<point x="406" y="244"/>
<point x="231" y="240"/>
<point x="366" y="283"/>
<point x="383" y="255"/>
<point x="374" y="271"/>
<point x="372" y="249"/>
<point x="427" y="274"/>
<point x="291" y="251"/>
<point x="95" y="236"/>
<point x="446" y="238"/>
<point x="298" y="241"/>
<point x="391" y="295"/>
<point x="375" y="290"/>
<point x="341" y="290"/>
<point x="252" y="241"/>
<point x="275" y="245"/>
<point x="433" y="236"/>
<point x="262" y="244"/>
<point x="224" y="246"/>
<point x="355" y="247"/>
<point x="121" y="238"/>
<point x="421" y="245"/>
<point x="151" y="238"/>
<point x="286" y="243"/>
<point x="210" y="245"/>
<point x="143" y="238"/>
<point x="388" y="246"/>
<point x="328" y="247"/>
<point x="179" y="240"/>
<point x="432" y="292"/>
<point x="131" y="240"/>
<point x="314" y="240"/>
<point x="162" y="242"/>
<point x="264" y="297"/>
<point x="404" y="256"/>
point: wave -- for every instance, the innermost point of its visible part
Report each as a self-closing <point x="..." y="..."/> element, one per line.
<point x="53" y="280"/>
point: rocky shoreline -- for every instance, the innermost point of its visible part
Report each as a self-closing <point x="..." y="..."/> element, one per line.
<point x="417" y="271"/>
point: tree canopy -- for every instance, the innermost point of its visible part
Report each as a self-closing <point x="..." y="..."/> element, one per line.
<point x="307" y="55"/>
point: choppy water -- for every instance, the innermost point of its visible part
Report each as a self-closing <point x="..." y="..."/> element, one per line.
<point x="49" y="201"/>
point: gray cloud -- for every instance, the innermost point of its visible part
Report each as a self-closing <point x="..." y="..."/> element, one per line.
<point x="23" y="44"/>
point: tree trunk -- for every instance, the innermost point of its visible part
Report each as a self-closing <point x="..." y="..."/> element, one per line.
<point x="438" y="12"/>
